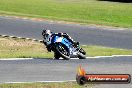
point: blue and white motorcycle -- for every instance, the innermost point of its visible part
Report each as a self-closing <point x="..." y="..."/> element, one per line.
<point x="62" y="47"/>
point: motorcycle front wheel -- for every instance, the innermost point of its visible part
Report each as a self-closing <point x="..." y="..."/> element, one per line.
<point x="62" y="50"/>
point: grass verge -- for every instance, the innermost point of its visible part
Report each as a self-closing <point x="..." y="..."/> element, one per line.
<point x="46" y="85"/>
<point x="20" y="48"/>
<point x="82" y="11"/>
<point x="105" y="51"/>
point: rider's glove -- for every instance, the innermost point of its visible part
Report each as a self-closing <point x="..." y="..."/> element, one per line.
<point x="44" y="43"/>
<point x="48" y="48"/>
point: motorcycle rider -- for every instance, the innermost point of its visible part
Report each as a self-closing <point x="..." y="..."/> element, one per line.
<point x="47" y="35"/>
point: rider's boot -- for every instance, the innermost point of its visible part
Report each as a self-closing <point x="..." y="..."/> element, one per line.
<point x="76" y="44"/>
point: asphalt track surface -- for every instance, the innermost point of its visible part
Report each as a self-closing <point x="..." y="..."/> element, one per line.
<point x="88" y="35"/>
<point x="39" y="70"/>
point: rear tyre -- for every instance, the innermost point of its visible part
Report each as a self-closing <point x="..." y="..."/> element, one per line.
<point x="62" y="50"/>
<point x="82" y="51"/>
<point x="81" y="56"/>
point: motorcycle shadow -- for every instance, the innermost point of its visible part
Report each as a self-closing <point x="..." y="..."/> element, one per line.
<point x="50" y="59"/>
<point x="58" y="59"/>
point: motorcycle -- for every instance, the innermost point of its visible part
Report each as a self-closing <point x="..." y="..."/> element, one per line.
<point x="65" y="49"/>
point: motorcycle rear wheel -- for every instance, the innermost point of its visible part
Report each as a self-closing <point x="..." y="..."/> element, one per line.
<point x="81" y="56"/>
<point x="82" y="51"/>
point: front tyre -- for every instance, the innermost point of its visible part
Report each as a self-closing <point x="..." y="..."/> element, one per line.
<point x="62" y="50"/>
<point x="56" y="56"/>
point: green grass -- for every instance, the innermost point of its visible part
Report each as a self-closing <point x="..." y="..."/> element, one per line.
<point x="20" y="48"/>
<point x="45" y="85"/>
<point x="105" y="51"/>
<point x="82" y="11"/>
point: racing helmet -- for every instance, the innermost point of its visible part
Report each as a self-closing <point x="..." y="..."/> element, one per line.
<point x="46" y="32"/>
